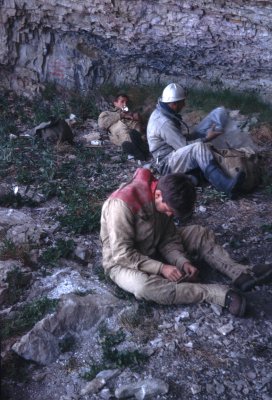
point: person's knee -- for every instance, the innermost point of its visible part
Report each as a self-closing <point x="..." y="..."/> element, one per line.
<point x="145" y="292"/>
<point x="206" y="234"/>
<point x="200" y="146"/>
<point x="160" y="294"/>
<point x="197" y="238"/>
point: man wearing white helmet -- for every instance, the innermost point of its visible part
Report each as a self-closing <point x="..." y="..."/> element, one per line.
<point x="172" y="151"/>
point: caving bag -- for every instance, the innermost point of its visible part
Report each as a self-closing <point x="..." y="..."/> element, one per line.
<point x="233" y="161"/>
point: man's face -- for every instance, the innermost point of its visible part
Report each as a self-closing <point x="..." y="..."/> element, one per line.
<point x="179" y="105"/>
<point x="121" y="102"/>
<point x="161" y="206"/>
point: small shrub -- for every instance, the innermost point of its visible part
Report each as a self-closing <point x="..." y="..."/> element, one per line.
<point x="82" y="212"/>
<point x="50" y="91"/>
<point x="81" y="219"/>
<point x="210" y="195"/>
<point x="7" y="125"/>
<point x="16" y="283"/>
<point x="25" y="176"/>
<point x="27" y="317"/>
<point x="112" y="355"/>
<point x="62" y="249"/>
<point x="94" y="369"/>
<point x="9" y="250"/>
<point x="83" y="106"/>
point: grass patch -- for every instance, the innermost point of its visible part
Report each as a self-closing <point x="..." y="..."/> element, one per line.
<point x="61" y="249"/>
<point x="17" y="281"/>
<point x="210" y="195"/>
<point x="83" y="106"/>
<point x="76" y="182"/>
<point x="82" y="211"/>
<point x="247" y="102"/>
<point x="27" y="317"/>
<point x="81" y="218"/>
<point x="125" y="358"/>
<point x="118" y="358"/>
<point x="9" y="250"/>
<point x="56" y="102"/>
<point x="111" y="356"/>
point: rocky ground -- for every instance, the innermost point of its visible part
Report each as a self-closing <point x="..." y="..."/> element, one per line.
<point x="93" y="341"/>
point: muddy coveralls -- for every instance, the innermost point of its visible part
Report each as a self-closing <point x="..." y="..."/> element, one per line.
<point x="137" y="239"/>
<point x="118" y="128"/>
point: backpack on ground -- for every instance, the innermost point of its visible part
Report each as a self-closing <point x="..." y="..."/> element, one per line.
<point x="55" y="131"/>
<point x="233" y="161"/>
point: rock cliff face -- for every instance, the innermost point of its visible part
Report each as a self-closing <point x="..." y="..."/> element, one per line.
<point x="82" y="44"/>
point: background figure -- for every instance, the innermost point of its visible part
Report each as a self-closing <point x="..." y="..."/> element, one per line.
<point x="125" y="128"/>
<point x="168" y="141"/>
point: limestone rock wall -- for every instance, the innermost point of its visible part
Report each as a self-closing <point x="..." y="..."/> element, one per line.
<point x="82" y="44"/>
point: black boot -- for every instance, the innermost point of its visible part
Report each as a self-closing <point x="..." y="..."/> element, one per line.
<point x="130" y="148"/>
<point x="214" y="174"/>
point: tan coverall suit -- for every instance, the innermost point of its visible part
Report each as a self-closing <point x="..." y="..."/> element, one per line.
<point x="119" y="128"/>
<point x="136" y="237"/>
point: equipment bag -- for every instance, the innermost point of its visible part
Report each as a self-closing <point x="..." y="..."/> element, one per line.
<point x="55" y="131"/>
<point x="233" y="161"/>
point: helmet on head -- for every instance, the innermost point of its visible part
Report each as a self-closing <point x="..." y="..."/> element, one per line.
<point x="173" y="92"/>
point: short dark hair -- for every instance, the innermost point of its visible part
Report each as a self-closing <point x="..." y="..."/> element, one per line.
<point x="120" y="95"/>
<point x="178" y="192"/>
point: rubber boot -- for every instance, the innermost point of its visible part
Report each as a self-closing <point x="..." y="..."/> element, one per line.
<point x="230" y="186"/>
<point x="130" y="148"/>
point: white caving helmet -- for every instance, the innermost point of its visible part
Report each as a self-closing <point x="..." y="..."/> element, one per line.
<point x="173" y="92"/>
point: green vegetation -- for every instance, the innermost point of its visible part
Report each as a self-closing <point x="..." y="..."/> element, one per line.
<point x="47" y="171"/>
<point x="17" y="281"/>
<point x="247" y="102"/>
<point x="61" y="249"/>
<point x="53" y="102"/>
<point x="83" y="210"/>
<point x="115" y="357"/>
<point x="27" y="317"/>
<point x="9" y="250"/>
<point x="212" y="195"/>
<point x="111" y="356"/>
<point x="58" y="103"/>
